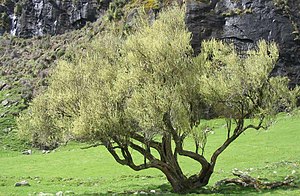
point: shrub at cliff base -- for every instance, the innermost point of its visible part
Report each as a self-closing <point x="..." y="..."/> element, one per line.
<point x="142" y="94"/>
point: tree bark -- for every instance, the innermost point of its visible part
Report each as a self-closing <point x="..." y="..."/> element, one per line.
<point x="180" y="184"/>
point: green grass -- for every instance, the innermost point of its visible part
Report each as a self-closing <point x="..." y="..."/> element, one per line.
<point x="271" y="154"/>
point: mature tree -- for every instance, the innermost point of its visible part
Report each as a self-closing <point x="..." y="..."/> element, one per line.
<point x="144" y="94"/>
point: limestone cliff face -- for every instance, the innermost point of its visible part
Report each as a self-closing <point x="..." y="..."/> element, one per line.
<point x="245" y="22"/>
<point x="27" y="18"/>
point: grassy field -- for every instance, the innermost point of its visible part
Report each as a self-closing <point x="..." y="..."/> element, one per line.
<point x="271" y="154"/>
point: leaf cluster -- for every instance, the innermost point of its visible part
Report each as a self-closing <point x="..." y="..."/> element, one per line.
<point x="240" y="86"/>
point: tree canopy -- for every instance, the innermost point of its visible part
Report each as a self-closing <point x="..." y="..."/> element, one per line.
<point x="147" y="92"/>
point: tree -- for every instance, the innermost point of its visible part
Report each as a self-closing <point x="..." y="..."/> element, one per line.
<point x="145" y="92"/>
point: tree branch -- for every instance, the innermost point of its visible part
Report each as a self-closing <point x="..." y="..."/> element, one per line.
<point x="239" y="129"/>
<point x="179" y="148"/>
<point x="131" y="163"/>
<point x="237" y="132"/>
<point x="257" y="127"/>
<point x="92" y="146"/>
<point x="228" y="124"/>
<point x="112" y="151"/>
<point x="150" y="142"/>
<point x="127" y="157"/>
<point x="142" y="151"/>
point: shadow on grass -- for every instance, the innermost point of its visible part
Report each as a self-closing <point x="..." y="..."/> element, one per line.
<point x="237" y="190"/>
<point x="229" y="189"/>
<point x="223" y="189"/>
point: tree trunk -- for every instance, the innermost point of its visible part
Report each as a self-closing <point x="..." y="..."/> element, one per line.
<point x="184" y="185"/>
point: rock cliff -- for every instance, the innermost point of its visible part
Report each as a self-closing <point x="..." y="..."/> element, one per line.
<point x="27" y="18"/>
<point x="245" y="22"/>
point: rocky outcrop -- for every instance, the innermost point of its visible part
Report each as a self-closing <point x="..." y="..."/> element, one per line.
<point x="247" y="21"/>
<point x="242" y="22"/>
<point x="27" y="18"/>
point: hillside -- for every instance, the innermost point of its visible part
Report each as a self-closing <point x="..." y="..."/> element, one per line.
<point x="25" y="65"/>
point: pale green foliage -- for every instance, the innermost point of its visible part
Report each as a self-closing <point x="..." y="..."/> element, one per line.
<point x="119" y="84"/>
<point x="159" y="73"/>
<point x="239" y="86"/>
<point x="39" y="125"/>
<point x="123" y="86"/>
<point x="67" y="101"/>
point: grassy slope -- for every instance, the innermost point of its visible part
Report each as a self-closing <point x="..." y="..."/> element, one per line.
<point x="273" y="154"/>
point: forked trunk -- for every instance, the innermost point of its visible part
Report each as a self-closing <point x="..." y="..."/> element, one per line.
<point x="184" y="185"/>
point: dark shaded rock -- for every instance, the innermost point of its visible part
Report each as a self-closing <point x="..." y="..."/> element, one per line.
<point x="203" y="22"/>
<point x="247" y="21"/>
<point x="39" y="17"/>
